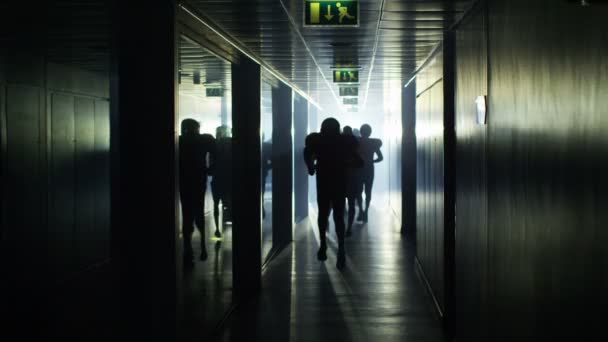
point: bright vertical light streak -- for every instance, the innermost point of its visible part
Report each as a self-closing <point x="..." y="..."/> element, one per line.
<point x="371" y="64"/>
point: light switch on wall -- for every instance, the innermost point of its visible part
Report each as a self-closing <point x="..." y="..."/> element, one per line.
<point x="480" y="104"/>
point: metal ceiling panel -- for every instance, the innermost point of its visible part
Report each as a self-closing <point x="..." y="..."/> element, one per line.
<point x="393" y="38"/>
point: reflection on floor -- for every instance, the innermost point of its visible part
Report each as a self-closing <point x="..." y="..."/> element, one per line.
<point x="267" y="227"/>
<point x="207" y="286"/>
<point x="378" y="297"/>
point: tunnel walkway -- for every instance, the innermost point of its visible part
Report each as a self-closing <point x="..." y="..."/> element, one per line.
<point x="378" y="297"/>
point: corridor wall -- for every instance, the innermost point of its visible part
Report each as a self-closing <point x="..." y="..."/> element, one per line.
<point x="56" y="278"/>
<point x="430" y="176"/>
<point x="530" y="237"/>
<point x="56" y="186"/>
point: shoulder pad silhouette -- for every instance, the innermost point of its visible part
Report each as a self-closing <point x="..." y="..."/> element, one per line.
<point x="312" y="139"/>
<point x="377" y="143"/>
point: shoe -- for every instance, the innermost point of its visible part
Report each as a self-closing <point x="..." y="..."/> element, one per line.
<point x="218" y="234"/>
<point x="203" y="256"/>
<point x="341" y="260"/>
<point x="360" y="216"/>
<point x="188" y="259"/>
<point x="365" y="217"/>
<point x="322" y="254"/>
<point x="349" y="233"/>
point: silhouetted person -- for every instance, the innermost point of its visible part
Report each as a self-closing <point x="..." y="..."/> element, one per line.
<point x="221" y="183"/>
<point x="193" y="151"/>
<point x="353" y="183"/>
<point x="367" y="148"/>
<point x="266" y="167"/>
<point x="329" y="154"/>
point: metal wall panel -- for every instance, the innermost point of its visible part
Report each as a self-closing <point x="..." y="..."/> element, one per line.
<point x="530" y="248"/>
<point x="471" y="190"/>
<point x="300" y="125"/>
<point x="547" y="140"/>
<point x="430" y="176"/>
<point x="62" y="188"/>
<point x="84" y="129"/>
<point x="102" y="180"/>
<point x="23" y="213"/>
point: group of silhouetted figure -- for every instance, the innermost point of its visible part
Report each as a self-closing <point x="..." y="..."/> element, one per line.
<point x="343" y="162"/>
<point x="201" y="155"/>
<point x="344" y="165"/>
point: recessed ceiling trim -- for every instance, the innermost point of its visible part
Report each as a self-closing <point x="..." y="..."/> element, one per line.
<point x="295" y="27"/>
<point x="244" y="50"/>
<point x="375" y="49"/>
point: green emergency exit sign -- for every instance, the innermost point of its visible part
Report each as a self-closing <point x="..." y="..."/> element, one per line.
<point x="331" y="13"/>
<point x="214" y="92"/>
<point x="349" y="91"/>
<point x="350" y="101"/>
<point x="346" y="76"/>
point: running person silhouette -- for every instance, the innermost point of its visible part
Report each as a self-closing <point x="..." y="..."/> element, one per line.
<point x="353" y="183"/>
<point x="193" y="151"/>
<point x="221" y="183"/>
<point x="367" y="148"/>
<point x="329" y="154"/>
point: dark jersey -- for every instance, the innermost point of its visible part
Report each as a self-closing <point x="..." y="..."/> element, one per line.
<point x="222" y="165"/>
<point x="193" y="152"/>
<point x="331" y="156"/>
<point x="367" y="148"/>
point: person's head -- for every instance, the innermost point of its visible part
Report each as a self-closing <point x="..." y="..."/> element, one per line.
<point x="190" y="127"/>
<point x="347" y="130"/>
<point x="356" y="133"/>
<point x="330" y="126"/>
<point x="366" y="131"/>
<point x="222" y="131"/>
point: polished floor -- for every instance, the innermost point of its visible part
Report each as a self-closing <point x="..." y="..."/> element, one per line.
<point x="378" y="297"/>
<point x="206" y="288"/>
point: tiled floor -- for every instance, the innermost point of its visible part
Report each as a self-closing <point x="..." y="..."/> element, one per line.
<point x="378" y="297"/>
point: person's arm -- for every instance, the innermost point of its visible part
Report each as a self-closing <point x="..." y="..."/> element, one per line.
<point x="211" y="148"/>
<point x="309" y="157"/>
<point x="379" y="153"/>
<point x="356" y="159"/>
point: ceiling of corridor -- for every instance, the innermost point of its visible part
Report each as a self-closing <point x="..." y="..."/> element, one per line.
<point x="393" y="37"/>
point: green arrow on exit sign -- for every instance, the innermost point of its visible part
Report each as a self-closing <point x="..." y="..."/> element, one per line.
<point x="331" y="13"/>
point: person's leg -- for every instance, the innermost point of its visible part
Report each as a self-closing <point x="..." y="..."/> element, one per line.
<point x="369" y="183"/>
<point x="187" y="227"/>
<point x="351" y="214"/>
<point x="359" y="191"/>
<point x="323" y="202"/>
<point x="227" y="204"/>
<point x="338" y="207"/>
<point x="216" y="209"/>
<point x="199" y="217"/>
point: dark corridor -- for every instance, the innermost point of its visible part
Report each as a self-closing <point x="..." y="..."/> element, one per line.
<point x="487" y="219"/>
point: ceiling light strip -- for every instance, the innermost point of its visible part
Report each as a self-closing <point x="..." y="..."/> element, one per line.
<point x="295" y="27"/>
<point x="241" y="47"/>
<point x="371" y="66"/>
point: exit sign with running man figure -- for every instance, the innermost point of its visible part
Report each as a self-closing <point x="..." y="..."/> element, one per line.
<point x="331" y="13"/>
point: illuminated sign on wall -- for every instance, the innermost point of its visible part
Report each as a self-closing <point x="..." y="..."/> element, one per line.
<point x="214" y="92"/>
<point x="331" y="13"/>
<point x="351" y="101"/>
<point x="346" y="76"/>
<point x="349" y="91"/>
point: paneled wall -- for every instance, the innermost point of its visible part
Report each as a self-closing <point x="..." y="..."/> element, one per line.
<point x="55" y="178"/>
<point x="471" y="171"/>
<point x="55" y="124"/>
<point x="430" y="175"/>
<point x="531" y="260"/>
